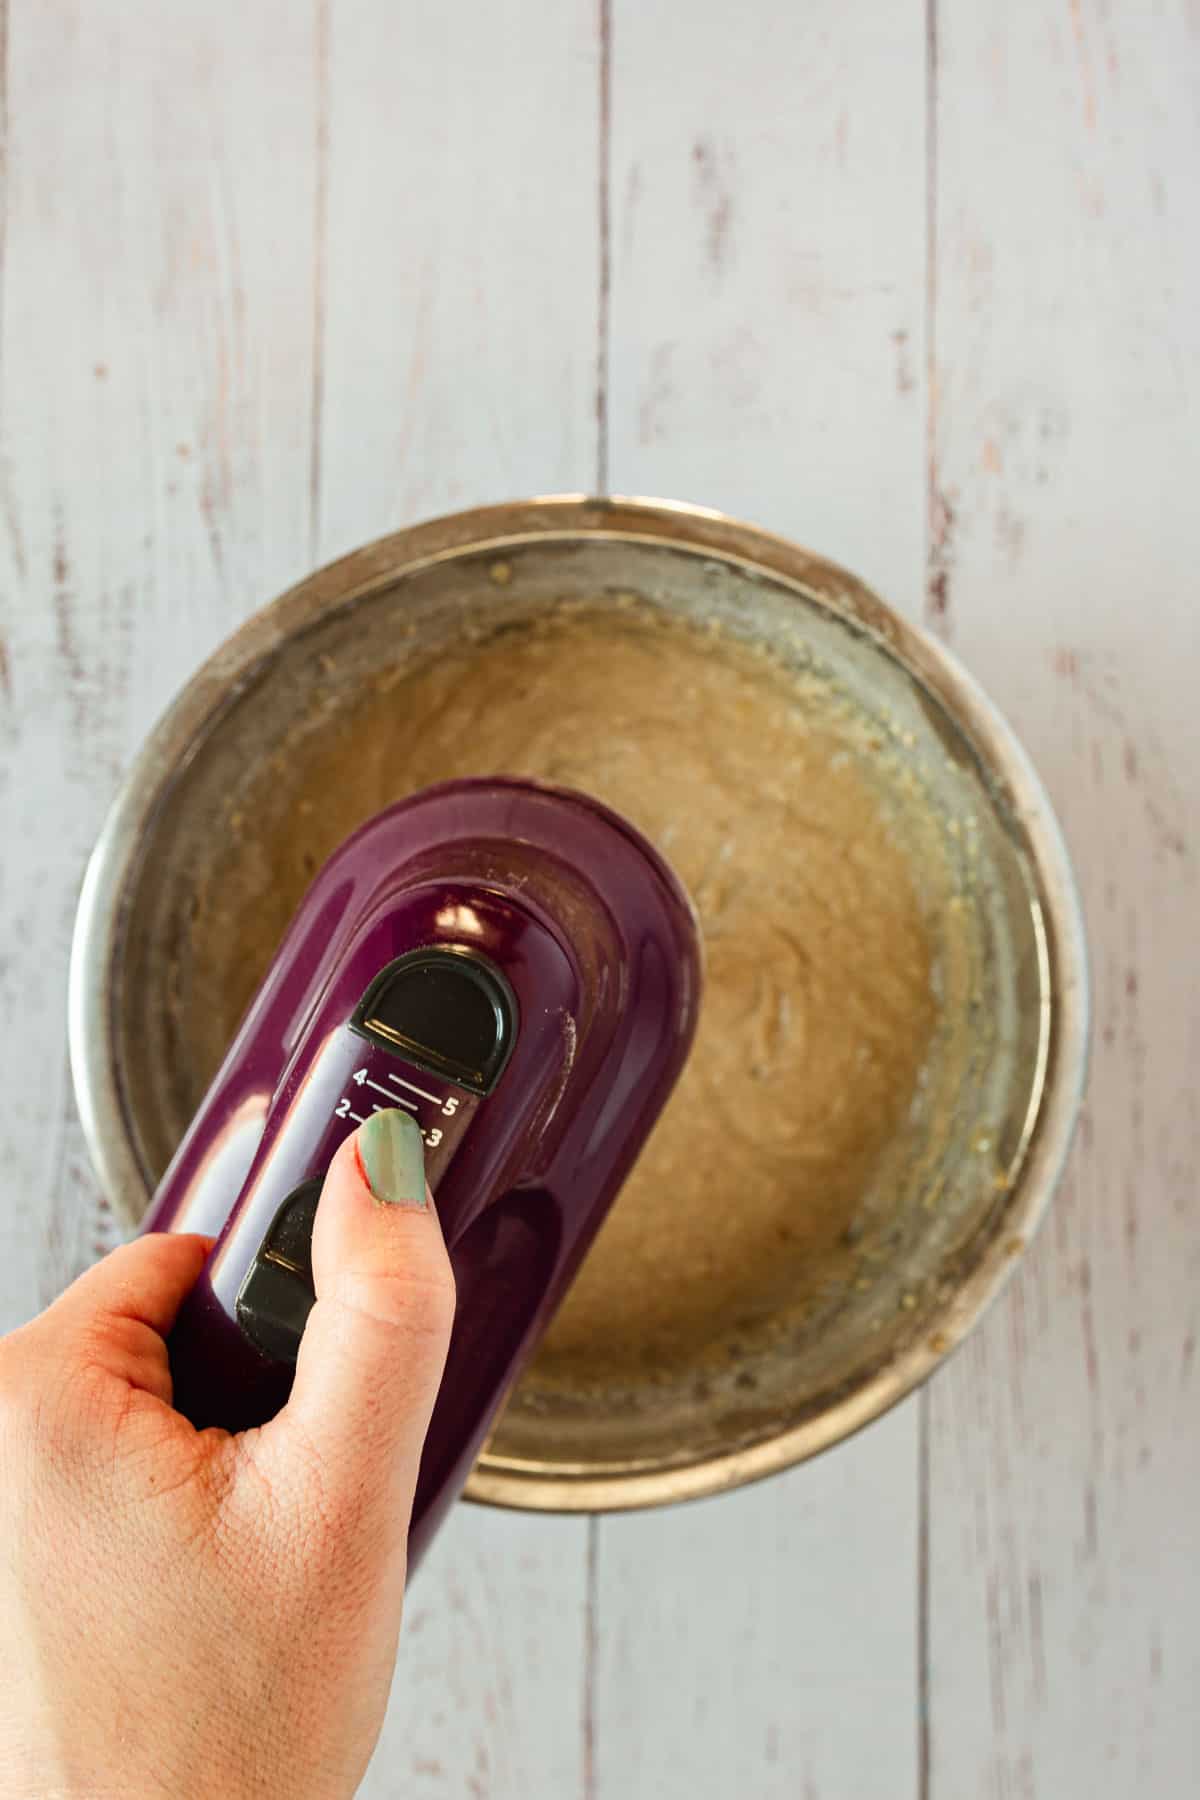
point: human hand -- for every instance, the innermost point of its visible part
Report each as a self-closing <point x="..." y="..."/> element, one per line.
<point x="194" y="1613"/>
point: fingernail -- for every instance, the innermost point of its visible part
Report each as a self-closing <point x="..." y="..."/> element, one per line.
<point x="393" y="1158"/>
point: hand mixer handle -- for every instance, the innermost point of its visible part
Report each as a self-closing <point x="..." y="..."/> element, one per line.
<point x="565" y="903"/>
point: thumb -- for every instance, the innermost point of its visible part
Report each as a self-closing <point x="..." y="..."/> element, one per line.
<point x="375" y="1343"/>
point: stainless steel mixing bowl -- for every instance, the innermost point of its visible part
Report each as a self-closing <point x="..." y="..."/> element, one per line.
<point x="153" y="1003"/>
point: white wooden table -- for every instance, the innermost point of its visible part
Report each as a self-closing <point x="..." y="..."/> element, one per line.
<point x="916" y="286"/>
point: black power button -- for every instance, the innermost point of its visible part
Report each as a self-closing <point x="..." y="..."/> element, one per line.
<point x="445" y="1009"/>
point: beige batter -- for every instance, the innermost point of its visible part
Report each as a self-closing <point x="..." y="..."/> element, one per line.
<point x="818" y="1008"/>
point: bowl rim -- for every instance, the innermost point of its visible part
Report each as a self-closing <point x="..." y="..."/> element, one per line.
<point x="495" y="530"/>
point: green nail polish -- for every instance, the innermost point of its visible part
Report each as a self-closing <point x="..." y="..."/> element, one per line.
<point x="393" y="1158"/>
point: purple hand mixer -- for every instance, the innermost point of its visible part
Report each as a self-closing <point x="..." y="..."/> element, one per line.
<point x="518" y="968"/>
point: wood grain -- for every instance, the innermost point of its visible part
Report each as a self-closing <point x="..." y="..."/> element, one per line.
<point x="763" y="1642"/>
<point x="767" y="307"/>
<point x="766" y="356"/>
<point x="157" y="288"/>
<point x="1065" y="1466"/>
<point x="460" y="263"/>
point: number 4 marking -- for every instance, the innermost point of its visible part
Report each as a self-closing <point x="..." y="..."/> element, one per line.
<point x="364" y="1080"/>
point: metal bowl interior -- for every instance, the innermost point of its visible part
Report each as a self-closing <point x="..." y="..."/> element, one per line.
<point x="216" y="832"/>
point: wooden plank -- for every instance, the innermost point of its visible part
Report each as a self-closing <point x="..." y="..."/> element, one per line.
<point x="489" y="1696"/>
<point x="153" y="473"/>
<point x="763" y="1643"/>
<point x="461" y="262"/>
<point x="766" y="357"/>
<point x="457" y="366"/>
<point x="1065" y="1465"/>
<point x="767" y="304"/>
